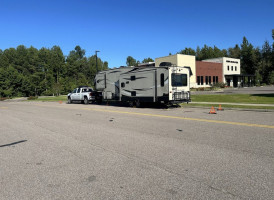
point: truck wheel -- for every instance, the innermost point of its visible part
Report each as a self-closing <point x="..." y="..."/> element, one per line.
<point x="69" y="100"/>
<point x="85" y="100"/>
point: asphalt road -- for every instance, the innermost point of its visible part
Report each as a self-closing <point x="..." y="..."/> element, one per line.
<point x="74" y="151"/>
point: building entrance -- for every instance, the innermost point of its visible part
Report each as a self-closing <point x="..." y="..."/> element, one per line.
<point x="228" y="82"/>
<point x="235" y="81"/>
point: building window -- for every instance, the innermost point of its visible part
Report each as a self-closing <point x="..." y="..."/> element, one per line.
<point x="213" y="79"/>
<point x="162" y="80"/>
<point x="206" y="80"/>
<point x="202" y="80"/>
<point x="227" y="67"/>
<point x="209" y="79"/>
<point x="235" y="68"/>
<point x="216" y="79"/>
<point x="231" y="68"/>
<point x="198" y="80"/>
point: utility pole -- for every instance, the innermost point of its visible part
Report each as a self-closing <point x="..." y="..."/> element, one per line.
<point x="96" y="61"/>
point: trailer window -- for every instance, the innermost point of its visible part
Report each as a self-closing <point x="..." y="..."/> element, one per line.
<point x="162" y="80"/>
<point x="122" y="84"/>
<point x="132" y="78"/>
<point x="179" y="79"/>
<point x="133" y="94"/>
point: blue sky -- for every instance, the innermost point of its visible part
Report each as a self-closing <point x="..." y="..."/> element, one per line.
<point x="137" y="28"/>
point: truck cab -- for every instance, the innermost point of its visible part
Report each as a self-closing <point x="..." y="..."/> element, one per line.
<point x="82" y="94"/>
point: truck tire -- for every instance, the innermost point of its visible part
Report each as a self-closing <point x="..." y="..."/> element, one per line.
<point x="69" y="100"/>
<point x="85" y="100"/>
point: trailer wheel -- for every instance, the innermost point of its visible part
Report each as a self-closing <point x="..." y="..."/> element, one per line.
<point x="99" y="101"/>
<point x="138" y="103"/>
<point x="85" y="100"/>
<point x="131" y="103"/>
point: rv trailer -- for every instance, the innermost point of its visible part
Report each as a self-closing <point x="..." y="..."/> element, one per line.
<point x="164" y="84"/>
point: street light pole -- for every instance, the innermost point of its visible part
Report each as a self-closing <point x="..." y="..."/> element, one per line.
<point x="96" y="61"/>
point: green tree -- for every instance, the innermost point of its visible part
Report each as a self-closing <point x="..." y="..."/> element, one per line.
<point x="57" y="62"/>
<point x="271" y="78"/>
<point x="265" y="63"/>
<point x="131" y="61"/>
<point x="248" y="57"/>
<point x="188" y="51"/>
<point x="198" y="53"/>
<point x="146" y="60"/>
<point x="235" y="52"/>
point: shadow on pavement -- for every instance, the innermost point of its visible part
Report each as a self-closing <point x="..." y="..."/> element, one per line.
<point x="263" y="95"/>
<point x="143" y="105"/>
<point x="6" y="145"/>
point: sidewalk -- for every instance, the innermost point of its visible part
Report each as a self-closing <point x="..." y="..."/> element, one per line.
<point x="240" y="104"/>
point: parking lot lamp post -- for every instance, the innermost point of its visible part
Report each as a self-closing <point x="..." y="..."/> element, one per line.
<point x="96" y="61"/>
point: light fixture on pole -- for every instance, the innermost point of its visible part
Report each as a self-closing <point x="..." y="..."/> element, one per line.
<point x="96" y="61"/>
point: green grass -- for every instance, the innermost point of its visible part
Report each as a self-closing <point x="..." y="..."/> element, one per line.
<point x="52" y="98"/>
<point x="228" y="106"/>
<point x="235" y="98"/>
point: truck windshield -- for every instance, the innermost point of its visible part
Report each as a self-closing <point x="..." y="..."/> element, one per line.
<point x="178" y="80"/>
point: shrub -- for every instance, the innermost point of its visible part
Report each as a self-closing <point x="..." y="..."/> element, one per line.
<point x="219" y="85"/>
<point x="32" y="97"/>
<point x="3" y="98"/>
<point x="47" y="93"/>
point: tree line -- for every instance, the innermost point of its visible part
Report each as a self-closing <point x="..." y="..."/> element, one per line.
<point x="47" y="71"/>
<point x="254" y="60"/>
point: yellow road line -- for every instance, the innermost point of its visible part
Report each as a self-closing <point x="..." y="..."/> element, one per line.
<point x="174" y="117"/>
<point x="184" y="118"/>
<point x="3" y="107"/>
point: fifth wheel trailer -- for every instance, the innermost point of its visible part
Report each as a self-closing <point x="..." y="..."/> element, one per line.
<point x="169" y="84"/>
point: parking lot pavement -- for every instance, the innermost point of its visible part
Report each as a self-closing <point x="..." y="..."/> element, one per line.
<point x="75" y="151"/>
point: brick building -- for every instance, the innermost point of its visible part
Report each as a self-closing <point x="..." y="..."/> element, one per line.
<point x="208" y="73"/>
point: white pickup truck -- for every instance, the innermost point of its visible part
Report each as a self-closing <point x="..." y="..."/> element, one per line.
<point x="83" y="93"/>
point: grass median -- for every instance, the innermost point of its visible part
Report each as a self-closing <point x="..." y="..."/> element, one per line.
<point x="228" y="106"/>
<point x="235" y="98"/>
<point x="52" y="98"/>
<point x="214" y="100"/>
